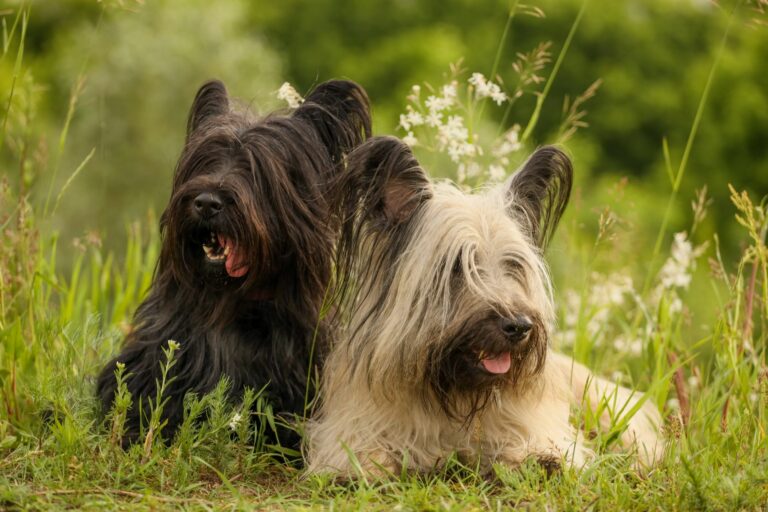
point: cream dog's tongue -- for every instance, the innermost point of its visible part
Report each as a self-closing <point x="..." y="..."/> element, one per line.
<point x="235" y="263"/>
<point x="499" y="364"/>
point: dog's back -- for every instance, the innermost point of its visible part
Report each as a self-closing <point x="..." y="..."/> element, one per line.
<point x="246" y="254"/>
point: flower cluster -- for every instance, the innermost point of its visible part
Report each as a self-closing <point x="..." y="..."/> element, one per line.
<point x="440" y="120"/>
<point x="675" y="274"/>
<point x="452" y="136"/>
<point x="590" y="313"/>
<point x="288" y="94"/>
<point x="486" y="89"/>
<point x="235" y="421"/>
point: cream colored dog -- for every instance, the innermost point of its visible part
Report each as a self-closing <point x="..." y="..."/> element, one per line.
<point x="448" y="312"/>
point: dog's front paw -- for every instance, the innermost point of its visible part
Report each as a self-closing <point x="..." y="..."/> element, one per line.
<point x="550" y="463"/>
<point x="380" y="465"/>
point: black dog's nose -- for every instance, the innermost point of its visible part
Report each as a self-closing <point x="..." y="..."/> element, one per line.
<point x="516" y="328"/>
<point x="208" y="204"/>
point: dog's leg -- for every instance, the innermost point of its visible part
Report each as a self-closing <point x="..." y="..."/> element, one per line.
<point x="618" y="402"/>
<point x="536" y="425"/>
<point x="347" y="452"/>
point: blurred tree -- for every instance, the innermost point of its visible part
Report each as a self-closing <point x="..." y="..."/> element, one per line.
<point x="141" y="69"/>
<point x="653" y="57"/>
<point x="143" y="63"/>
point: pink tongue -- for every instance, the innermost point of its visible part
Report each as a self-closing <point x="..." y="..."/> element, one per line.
<point x="499" y="364"/>
<point x="235" y="264"/>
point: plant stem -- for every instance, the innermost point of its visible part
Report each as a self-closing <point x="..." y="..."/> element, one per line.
<point x="543" y="95"/>
<point x="687" y="151"/>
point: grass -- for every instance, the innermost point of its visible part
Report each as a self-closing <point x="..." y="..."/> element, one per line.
<point x="58" y="327"/>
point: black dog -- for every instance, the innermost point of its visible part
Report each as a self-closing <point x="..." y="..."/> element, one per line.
<point x="246" y="255"/>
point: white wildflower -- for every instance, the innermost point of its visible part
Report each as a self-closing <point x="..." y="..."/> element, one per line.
<point x="675" y="305"/>
<point x="594" y="309"/>
<point x="477" y="79"/>
<point x="437" y="104"/>
<point x="414" y="118"/>
<point x="453" y="138"/>
<point x="620" y="344"/>
<point x="415" y="93"/>
<point x="473" y="169"/>
<point x="498" y="96"/>
<point x="454" y="128"/>
<point x="673" y="403"/>
<point x="458" y="149"/>
<point x="433" y="119"/>
<point x="496" y="173"/>
<point x="693" y="381"/>
<point x="445" y="101"/>
<point x="633" y="347"/>
<point x="509" y="143"/>
<point x="611" y="291"/>
<point x="450" y="92"/>
<point x="173" y="345"/>
<point x="410" y="139"/>
<point x="676" y="272"/>
<point x="486" y="89"/>
<point x="461" y="173"/>
<point x="617" y="376"/>
<point x="235" y="421"/>
<point x="288" y="94"/>
<point x="572" y="302"/>
<point x="404" y="123"/>
<point x="596" y="322"/>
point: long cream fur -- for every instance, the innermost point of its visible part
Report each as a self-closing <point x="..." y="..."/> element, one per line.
<point x="374" y="416"/>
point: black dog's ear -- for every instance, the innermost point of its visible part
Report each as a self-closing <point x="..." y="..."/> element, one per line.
<point x="538" y="193"/>
<point x="211" y="100"/>
<point x="383" y="182"/>
<point x="340" y="112"/>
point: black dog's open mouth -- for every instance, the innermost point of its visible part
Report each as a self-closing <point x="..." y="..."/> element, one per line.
<point x="214" y="251"/>
<point x="221" y="249"/>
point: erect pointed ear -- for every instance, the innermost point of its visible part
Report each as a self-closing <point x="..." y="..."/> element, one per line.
<point x="538" y="193"/>
<point x="211" y="100"/>
<point x="383" y="183"/>
<point x="340" y="112"/>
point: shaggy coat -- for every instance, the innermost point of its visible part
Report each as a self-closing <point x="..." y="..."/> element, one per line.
<point x="247" y="241"/>
<point x="448" y="313"/>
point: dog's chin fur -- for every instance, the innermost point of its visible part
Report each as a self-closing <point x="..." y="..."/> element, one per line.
<point x="455" y="378"/>
<point x="247" y="241"/>
<point x="426" y="275"/>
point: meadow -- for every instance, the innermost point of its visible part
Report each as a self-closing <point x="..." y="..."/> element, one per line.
<point x="652" y="291"/>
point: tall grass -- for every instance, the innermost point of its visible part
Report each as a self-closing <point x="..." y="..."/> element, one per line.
<point x="58" y="327"/>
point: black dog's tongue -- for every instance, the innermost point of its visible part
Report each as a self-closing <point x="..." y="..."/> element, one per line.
<point x="235" y="263"/>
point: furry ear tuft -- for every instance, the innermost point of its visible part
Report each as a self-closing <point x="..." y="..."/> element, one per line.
<point x="340" y="112"/>
<point x="377" y="194"/>
<point x="211" y="100"/>
<point x="539" y="192"/>
<point x="390" y="179"/>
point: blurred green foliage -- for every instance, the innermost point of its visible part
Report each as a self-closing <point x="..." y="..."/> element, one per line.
<point x="141" y="63"/>
<point x="132" y="71"/>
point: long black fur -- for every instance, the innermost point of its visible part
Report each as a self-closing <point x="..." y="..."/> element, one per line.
<point x="273" y="175"/>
